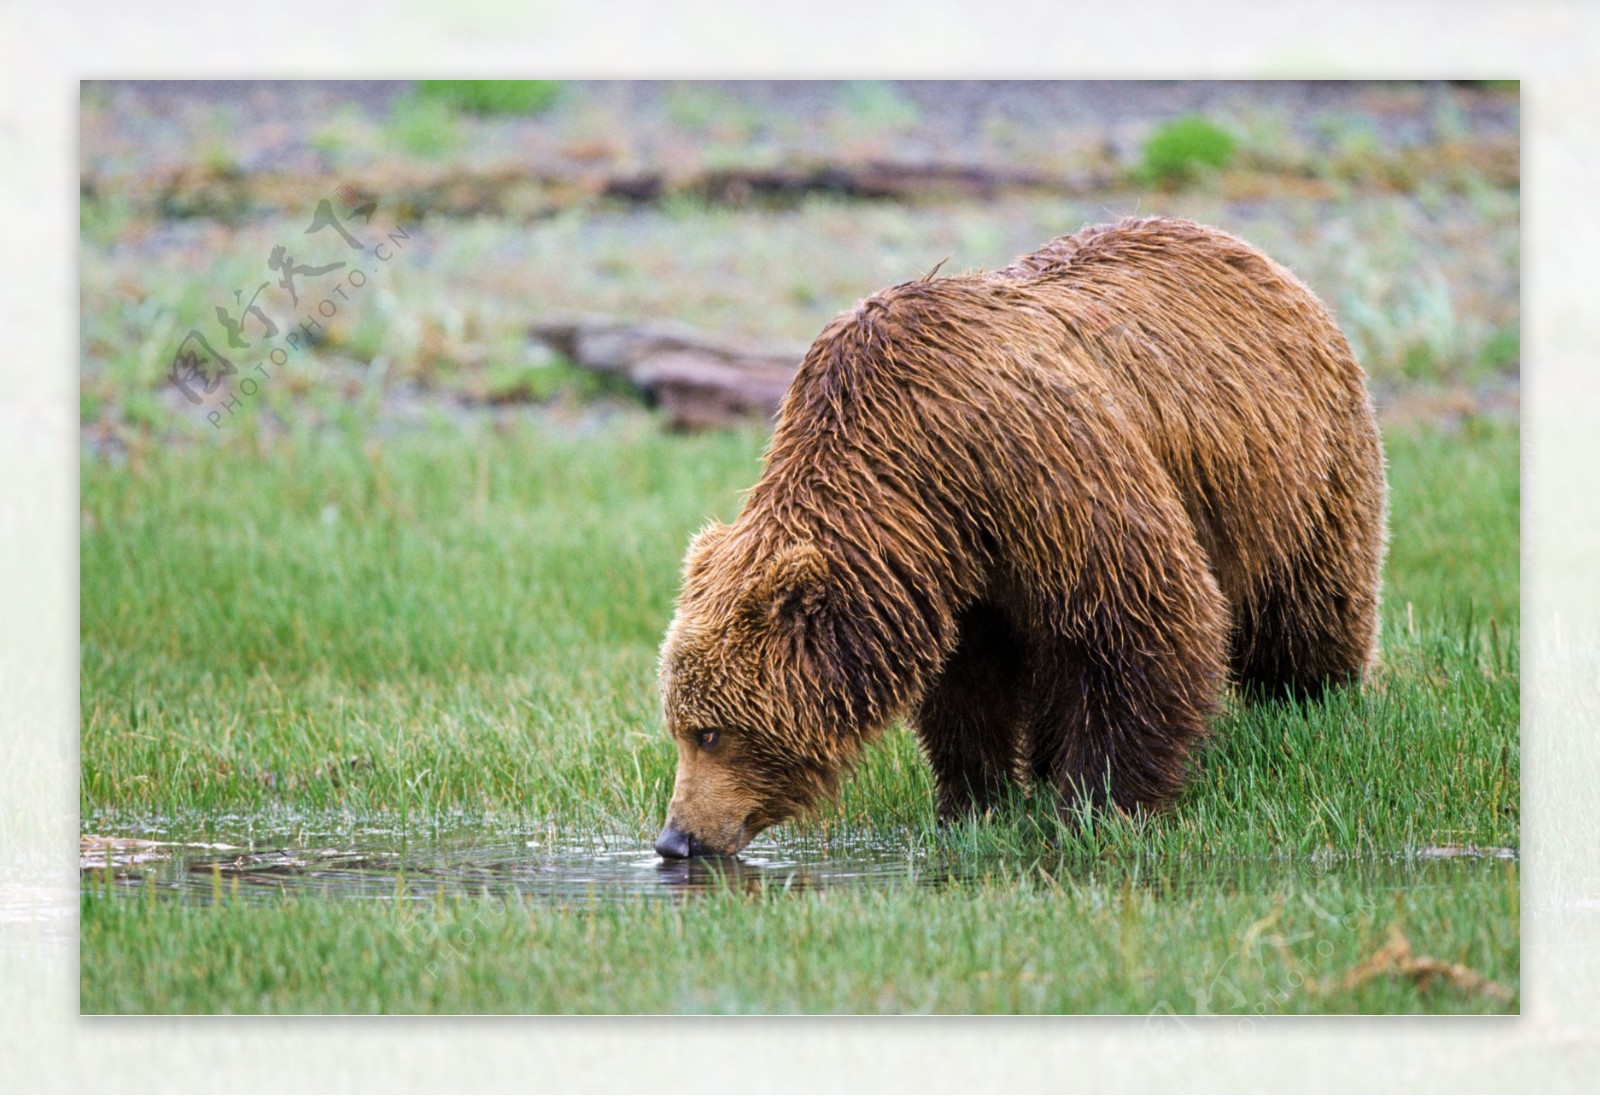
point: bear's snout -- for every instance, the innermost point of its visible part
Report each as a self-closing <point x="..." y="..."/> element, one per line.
<point x="675" y="844"/>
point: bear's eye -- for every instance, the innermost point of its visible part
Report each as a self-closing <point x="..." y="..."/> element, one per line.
<point x="708" y="739"/>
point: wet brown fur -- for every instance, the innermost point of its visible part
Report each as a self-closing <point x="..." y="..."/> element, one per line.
<point x="1045" y="514"/>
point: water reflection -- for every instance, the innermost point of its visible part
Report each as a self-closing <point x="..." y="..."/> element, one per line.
<point x="752" y="875"/>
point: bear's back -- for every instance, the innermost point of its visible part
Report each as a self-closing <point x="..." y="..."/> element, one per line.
<point x="1246" y="391"/>
<point x="1157" y="334"/>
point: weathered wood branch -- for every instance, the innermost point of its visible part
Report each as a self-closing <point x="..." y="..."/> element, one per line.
<point x="701" y="380"/>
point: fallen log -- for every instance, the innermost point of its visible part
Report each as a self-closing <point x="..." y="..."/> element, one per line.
<point x="228" y="192"/>
<point x="700" y="380"/>
<point x="876" y="179"/>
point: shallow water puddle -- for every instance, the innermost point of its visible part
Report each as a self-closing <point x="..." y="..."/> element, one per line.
<point x="538" y="866"/>
<point x="331" y="857"/>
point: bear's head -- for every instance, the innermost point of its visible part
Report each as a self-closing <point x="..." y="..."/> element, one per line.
<point x="754" y="691"/>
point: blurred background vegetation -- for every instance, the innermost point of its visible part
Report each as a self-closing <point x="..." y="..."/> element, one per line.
<point x="754" y="210"/>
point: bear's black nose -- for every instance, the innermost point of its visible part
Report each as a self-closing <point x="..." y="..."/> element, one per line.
<point x="674" y="844"/>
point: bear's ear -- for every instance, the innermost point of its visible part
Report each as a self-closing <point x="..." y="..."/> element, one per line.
<point x="793" y="583"/>
<point x="697" y="558"/>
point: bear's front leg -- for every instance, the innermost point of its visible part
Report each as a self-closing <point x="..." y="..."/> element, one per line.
<point x="1119" y="702"/>
<point x="970" y="720"/>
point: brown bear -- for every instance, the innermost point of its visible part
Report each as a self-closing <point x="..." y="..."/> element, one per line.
<point x="1044" y="514"/>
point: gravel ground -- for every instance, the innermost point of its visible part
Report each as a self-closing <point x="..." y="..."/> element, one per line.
<point x="131" y="127"/>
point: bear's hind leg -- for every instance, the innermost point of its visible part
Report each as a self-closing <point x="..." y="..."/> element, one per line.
<point x="1304" y="635"/>
<point x="969" y="720"/>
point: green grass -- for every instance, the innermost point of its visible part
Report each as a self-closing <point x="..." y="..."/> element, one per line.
<point x="447" y="620"/>
<point x="492" y="96"/>
<point x="1109" y="941"/>
<point x="427" y="128"/>
<point x="1179" y="150"/>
